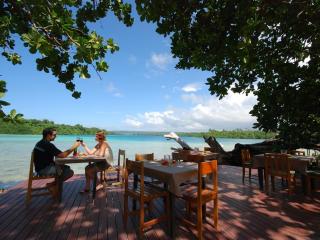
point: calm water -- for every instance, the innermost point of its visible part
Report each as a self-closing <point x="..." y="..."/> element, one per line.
<point x="15" y="150"/>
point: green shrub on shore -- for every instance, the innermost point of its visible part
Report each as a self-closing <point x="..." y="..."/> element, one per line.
<point x="33" y="126"/>
<point x="238" y="133"/>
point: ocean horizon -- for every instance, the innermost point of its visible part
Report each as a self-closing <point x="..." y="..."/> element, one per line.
<point x="16" y="150"/>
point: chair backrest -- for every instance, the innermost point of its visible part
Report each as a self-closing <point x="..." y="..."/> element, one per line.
<point x="33" y="175"/>
<point x="135" y="167"/>
<point x="193" y="158"/>
<point x="276" y="164"/>
<point x="31" y="169"/>
<point x="122" y="156"/>
<point x="181" y="155"/>
<point x="207" y="149"/>
<point x="208" y="168"/>
<point x="147" y="156"/>
<point x="245" y="156"/>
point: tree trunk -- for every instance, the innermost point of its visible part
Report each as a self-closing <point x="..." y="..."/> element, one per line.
<point x="234" y="157"/>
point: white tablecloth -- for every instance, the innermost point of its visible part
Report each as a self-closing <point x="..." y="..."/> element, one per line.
<point x="172" y="175"/>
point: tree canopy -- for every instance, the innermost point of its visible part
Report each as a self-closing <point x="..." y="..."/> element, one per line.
<point x="270" y="48"/>
<point x="34" y="126"/>
<point x="57" y="32"/>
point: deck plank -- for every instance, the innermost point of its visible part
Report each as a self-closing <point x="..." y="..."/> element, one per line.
<point x="244" y="213"/>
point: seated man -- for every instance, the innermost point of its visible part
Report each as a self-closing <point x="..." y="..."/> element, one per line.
<point x="44" y="153"/>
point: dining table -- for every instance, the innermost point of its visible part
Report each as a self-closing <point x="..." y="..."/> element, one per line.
<point x="298" y="163"/>
<point x="200" y="155"/>
<point x="172" y="175"/>
<point x="72" y="160"/>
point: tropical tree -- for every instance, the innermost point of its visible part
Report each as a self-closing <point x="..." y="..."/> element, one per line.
<point x="57" y="32"/>
<point x="270" y="48"/>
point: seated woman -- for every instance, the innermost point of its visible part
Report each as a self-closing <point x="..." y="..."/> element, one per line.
<point x="101" y="149"/>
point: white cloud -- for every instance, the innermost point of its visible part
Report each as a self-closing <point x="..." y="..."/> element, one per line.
<point x="166" y="96"/>
<point x="113" y="90"/>
<point x="132" y="59"/>
<point x="159" y="62"/>
<point x="192" y="87"/>
<point x="204" y="112"/>
<point x="193" y="98"/>
<point x="133" y="122"/>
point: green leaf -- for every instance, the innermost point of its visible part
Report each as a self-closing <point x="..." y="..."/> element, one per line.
<point x="4" y="103"/>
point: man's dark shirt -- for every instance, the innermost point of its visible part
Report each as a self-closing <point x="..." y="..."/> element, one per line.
<point x="44" y="153"/>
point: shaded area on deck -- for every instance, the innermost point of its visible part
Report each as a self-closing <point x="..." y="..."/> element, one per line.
<point x="244" y="213"/>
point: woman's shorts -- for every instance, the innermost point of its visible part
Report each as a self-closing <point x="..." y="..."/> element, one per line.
<point x="101" y="166"/>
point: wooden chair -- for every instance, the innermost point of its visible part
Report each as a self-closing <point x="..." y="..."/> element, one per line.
<point x="207" y="149"/>
<point x="278" y="165"/>
<point x="33" y="177"/>
<point x="147" y="157"/>
<point x="142" y="157"/>
<point x="246" y="162"/>
<point x="181" y="155"/>
<point x="196" y="197"/>
<point x="298" y="152"/>
<point x="144" y="194"/>
<point x="311" y="175"/>
<point x="118" y="169"/>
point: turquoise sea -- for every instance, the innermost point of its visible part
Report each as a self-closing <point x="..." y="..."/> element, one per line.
<point x="15" y="150"/>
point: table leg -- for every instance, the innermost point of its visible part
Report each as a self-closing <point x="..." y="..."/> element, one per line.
<point x="308" y="191"/>
<point x="59" y="180"/>
<point x="260" y="176"/>
<point x="94" y="181"/>
<point x="172" y="215"/>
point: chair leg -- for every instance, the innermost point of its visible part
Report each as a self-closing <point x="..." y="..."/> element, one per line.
<point x="215" y="213"/>
<point x="199" y="222"/>
<point x="289" y="185"/>
<point x="28" y="197"/>
<point x="272" y="183"/>
<point x="243" y="173"/>
<point x="249" y="173"/>
<point x="167" y="207"/>
<point x="141" y="219"/>
<point x="267" y="182"/>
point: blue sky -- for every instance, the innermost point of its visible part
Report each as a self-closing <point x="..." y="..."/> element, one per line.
<point x="141" y="91"/>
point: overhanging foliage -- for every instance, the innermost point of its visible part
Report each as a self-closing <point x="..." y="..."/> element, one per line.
<point x="270" y="48"/>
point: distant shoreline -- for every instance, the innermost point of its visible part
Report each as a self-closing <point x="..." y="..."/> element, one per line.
<point x="35" y="127"/>
<point x="181" y="134"/>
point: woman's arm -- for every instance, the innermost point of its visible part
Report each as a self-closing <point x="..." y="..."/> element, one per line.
<point x="88" y="150"/>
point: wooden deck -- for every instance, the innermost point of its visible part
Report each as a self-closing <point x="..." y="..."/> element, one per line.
<point x="244" y="213"/>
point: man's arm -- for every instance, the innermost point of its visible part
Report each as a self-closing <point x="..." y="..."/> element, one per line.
<point x="70" y="150"/>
